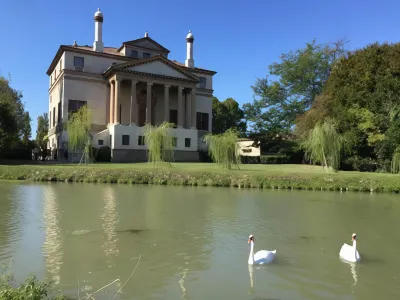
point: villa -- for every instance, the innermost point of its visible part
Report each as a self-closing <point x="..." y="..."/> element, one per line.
<point x="126" y="87"/>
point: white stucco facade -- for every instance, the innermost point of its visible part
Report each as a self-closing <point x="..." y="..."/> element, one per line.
<point x="125" y="88"/>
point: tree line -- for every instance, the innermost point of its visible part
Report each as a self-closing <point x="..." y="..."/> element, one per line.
<point x="317" y="104"/>
<point x="327" y="105"/>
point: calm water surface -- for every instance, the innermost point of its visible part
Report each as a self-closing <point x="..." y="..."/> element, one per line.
<point x="193" y="241"/>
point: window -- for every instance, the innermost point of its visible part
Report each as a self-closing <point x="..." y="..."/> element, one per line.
<point x="100" y="142"/>
<point x="134" y="53"/>
<point x="146" y="55"/>
<point x="75" y="105"/>
<point x="187" y="142"/>
<point x="110" y="140"/>
<point x="50" y="119"/>
<point x="203" y="82"/>
<point x="125" y="140"/>
<point x="202" y="121"/>
<point x="140" y="140"/>
<point x="51" y="79"/>
<point x="54" y="116"/>
<point x="59" y="114"/>
<point x="174" y="141"/>
<point x="55" y="73"/>
<point x="60" y="67"/>
<point x="173" y="116"/>
<point x="79" y="63"/>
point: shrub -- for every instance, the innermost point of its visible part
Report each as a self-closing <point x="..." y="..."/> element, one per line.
<point x="362" y="164"/>
<point x="274" y="159"/>
<point x="31" y="289"/>
<point x="103" y="154"/>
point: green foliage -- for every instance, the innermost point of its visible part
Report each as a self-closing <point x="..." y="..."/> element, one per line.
<point x="42" y="130"/>
<point x="160" y="143"/>
<point x="13" y="118"/>
<point x="31" y="289"/>
<point x="78" y="128"/>
<point x="362" y="94"/>
<point x="227" y="114"/>
<point x="103" y="154"/>
<point x="301" y="76"/>
<point x="223" y="148"/>
<point x="395" y="167"/>
<point x="323" y="145"/>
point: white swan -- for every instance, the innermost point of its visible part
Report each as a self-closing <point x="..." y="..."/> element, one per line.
<point x="260" y="257"/>
<point x="348" y="252"/>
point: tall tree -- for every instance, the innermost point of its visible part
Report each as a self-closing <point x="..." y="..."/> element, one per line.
<point x="78" y="128"/>
<point x="11" y="116"/>
<point x="362" y="94"/>
<point x="300" y="77"/>
<point x="227" y="114"/>
<point x="26" y="129"/>
<point x="42" y="130"/>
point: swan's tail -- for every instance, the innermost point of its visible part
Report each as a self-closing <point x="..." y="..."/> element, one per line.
<point x="273" y="251"/>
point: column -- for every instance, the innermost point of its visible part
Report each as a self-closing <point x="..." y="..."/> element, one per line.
<point x="108" y="101"/>
<point x="180" y="112"/>
<point x="148" y="103"/>
<point x="188" y="110"/>
<point x="133" y="103"/>
<point x="194" y="111"/>
<point x="117" y="101"/>
<point x="166" y="103"/>
<point x="112" y="88"/>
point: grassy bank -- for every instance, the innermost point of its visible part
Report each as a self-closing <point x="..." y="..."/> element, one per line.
<point x="205" y="174"/>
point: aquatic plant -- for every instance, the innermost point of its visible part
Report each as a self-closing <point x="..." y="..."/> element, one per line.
<point x="223" y="148"/>
<point x="160" y="143"/>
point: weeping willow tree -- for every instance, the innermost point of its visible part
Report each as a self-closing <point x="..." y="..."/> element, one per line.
<point x="160" y="143"/>
<point x="224" y="148"/>
<point x="396" y="161"/>
<point x="323" y="145"/>
<point x="78" y="128"/>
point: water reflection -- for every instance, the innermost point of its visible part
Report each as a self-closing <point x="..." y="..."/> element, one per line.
<point x="109" y="216"/>
<point x="251" y="273"/>
<point x="194" y="239"/>
<point x="52" y="247"/>
<point x="352" y="269"/>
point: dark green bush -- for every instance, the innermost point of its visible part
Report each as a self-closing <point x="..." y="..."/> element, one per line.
<point x="103" y="154"/>
<point x="274" y="159"/>
<point x="362" y="164"/>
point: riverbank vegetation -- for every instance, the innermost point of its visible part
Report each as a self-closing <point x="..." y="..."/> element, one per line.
<point x="207" y="174"/>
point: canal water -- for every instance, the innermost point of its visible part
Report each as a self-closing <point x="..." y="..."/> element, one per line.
<point x="191" y="243"/>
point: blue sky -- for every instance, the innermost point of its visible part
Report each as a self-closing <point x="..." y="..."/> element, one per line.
<point x="238" y="39"/>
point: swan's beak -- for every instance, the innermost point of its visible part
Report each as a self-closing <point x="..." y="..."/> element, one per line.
<point x="248" y="241"/>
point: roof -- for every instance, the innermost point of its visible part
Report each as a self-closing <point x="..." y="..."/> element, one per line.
<point x="112" y="52"/>
<point x="123" y="67"/>
<point x="146" y="38"/>
<point x="195" y="69"/>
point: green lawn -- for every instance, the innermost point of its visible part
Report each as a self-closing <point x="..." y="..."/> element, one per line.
<point x="250" y="169"/>
<point x="206" y="174"/>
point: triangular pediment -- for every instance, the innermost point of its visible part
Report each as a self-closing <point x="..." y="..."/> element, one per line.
<point x="147" y="43"/>
<point x="157" y="66"/>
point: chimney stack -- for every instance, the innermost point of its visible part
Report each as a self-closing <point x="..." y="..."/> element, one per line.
<point x="189" y="62"/>
<point x="98" y="45"/>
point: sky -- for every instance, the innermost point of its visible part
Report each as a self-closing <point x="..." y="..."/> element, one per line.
<point x="237" y="39"/>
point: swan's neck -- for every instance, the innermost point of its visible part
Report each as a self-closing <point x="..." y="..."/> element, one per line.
<point x="251" y="255"/>
<point x="355" y="245"/>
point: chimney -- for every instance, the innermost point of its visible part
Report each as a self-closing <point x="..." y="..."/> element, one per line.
<point x="98" y="45"/>
<point x="189" y="62"/>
